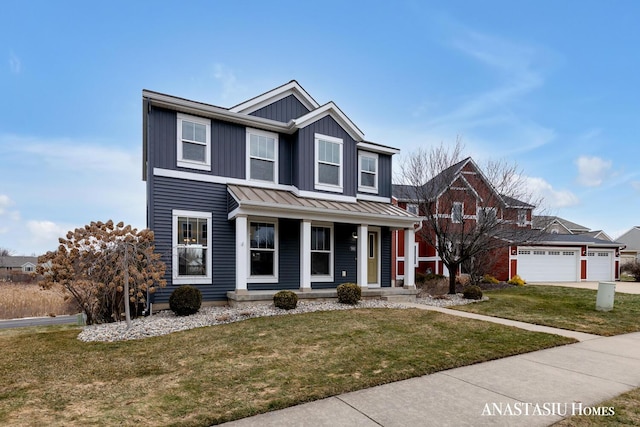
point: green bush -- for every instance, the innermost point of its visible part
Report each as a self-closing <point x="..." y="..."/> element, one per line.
<point x="487" y="278"/>
<point x="349" y="293"/>
<point x="185" y="300"/>
<point x="472" y="292"/>
<point x="426" y="277"/>
<point x="516" y="280"/>
<point x="285" y="300"/>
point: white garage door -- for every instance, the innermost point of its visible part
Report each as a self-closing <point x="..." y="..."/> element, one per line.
<point x="548" y="265"/>
<point x="600" y="265"/>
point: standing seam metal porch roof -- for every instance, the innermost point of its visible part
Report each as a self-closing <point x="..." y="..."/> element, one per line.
<point x="257" y="197"/>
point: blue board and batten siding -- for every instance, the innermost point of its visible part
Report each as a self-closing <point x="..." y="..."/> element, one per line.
<point x="169" y="194"/>
<point x="284" y="110"/>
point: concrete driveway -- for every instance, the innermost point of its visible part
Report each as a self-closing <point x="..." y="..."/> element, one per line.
<point x="622" y="287"/>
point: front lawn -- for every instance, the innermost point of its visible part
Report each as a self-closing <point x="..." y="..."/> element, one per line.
<point x="220" y="373"/>
<point x="566" y="308"/>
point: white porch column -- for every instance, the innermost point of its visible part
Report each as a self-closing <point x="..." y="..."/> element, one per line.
<point x="363" y="239"/>
<point x="242" y="254"/>
<point x="305" y="255"/>
<point x="409" y="262"/>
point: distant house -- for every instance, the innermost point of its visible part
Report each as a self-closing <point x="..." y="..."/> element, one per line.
<point x="17" y="264"/>
<point x="632" y="241"/>
<point x="564" y="252"/>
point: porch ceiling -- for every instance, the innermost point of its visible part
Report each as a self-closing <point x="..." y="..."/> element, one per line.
<point x="284" y="204"/>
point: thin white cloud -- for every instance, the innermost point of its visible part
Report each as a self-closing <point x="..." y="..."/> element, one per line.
<point x="592" y="171"/>
<point x="231" y="89"/>
<point x="635" y="185"/>
<point x="15" y="65"/>
<point x="5" y="202"/>
<point x="551" y="197"/>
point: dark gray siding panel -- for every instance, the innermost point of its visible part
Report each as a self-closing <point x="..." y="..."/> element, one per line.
<point x="162" y="139"/>
<point x="283" y="110"/>
<point x="231" y="203"/>
<point x="228" y="149"/>
<point x="305" y="155"/>
<point x="344" y="257"/>
<point x="285" y="165"/>
<point x="384" y="175"/>
<point x="289" y="258"/>
<point x="385" y="261"/>
<point x="169" y="194"/>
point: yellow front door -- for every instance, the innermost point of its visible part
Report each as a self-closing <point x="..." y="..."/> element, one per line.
<point x="372" y="262"/>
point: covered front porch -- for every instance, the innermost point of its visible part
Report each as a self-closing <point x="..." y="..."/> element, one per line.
<point x="310" y="245"/>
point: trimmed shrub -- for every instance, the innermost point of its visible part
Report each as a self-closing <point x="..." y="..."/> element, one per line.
<point x="516" y="280"/>
<point x="349" y="293"/>
<point x="472" y="292"/>
<point x="185" y="300"/>
<point x="487" y="278"/>
<point x="285" y="300"/>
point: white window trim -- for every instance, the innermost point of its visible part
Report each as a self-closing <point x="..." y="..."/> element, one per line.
<point x="486" y="209"/>
<point x="363" y="188"/>
<point x="190" y="280"/>
<point x="329" y="277"/>
<point x="270" y="278"/>
<point x="524" y="214"/>
<point x="411" y="206"/>
<point x="191" y="164"/>
<point x="322" y="186"/>
<point x="453" y="219"/>
<point x="252" y="131"/>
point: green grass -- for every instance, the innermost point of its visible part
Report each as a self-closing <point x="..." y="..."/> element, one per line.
<point x="627" y="413"/>
<point x="560" y="307"/>
<point x="214" y="374"/>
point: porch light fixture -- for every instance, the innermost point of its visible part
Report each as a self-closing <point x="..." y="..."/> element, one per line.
<point x="354" y="235"/>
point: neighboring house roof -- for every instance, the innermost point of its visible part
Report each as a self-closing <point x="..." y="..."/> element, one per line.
<point x="631" y="238"/>
<point x="284" y="203"/>
<point x="541" y="222"/>
<point x="599" y="234"/>
<point x="575" y="239"/>
<point x="17" y="261"/>
<point x="439" y="183"/>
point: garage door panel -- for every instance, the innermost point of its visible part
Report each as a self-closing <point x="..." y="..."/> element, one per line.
<point x="548" y="265"/>
<point x="600" y="265"/>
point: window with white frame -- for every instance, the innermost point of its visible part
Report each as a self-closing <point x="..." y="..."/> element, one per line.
<point x="328" y="163"/>
<point x="262" y="162"/>
<point x="368" y="178"/>
<point x="522" y="218"/>
<point x="486" y="217"/>
<point x="412" y="208"/>
<point x="194" y="142"/>
<point x="321" y="253"/>
<point x="191" y="243"/>
<point x="457" y="212"/>
<point x="262" y="250"/>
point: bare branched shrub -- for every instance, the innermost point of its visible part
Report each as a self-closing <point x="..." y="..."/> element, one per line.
<point x="102" y="263"/>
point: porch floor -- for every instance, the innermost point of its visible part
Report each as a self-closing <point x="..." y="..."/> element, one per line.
<point x="266" y="297"/>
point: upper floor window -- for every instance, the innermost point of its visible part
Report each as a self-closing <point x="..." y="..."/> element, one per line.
<point x="413" y="208"/>
<point x="194" y="142"/>
<point x="368" y="178"/>
<point x="191" y="243"/>
<point x="522" y="218"/>
<point x="486" y="217"/>
<point x="328" y="163"/>
<point x="457" y="212"/>
<point x="262" y="162"/>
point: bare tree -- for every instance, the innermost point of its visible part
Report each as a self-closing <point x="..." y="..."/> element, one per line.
<point x="106" y="268"/>
<point x="5" y="252"/>
<point x="467" y="211"/>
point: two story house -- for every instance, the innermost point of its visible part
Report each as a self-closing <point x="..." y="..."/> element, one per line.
<point x="535" y="250"/>
<point x="278" y="192"/>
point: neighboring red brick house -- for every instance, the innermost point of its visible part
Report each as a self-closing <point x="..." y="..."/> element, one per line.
<point x="462" y="192"/>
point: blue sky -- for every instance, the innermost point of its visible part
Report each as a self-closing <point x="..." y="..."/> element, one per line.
<point x="553" y="86"/>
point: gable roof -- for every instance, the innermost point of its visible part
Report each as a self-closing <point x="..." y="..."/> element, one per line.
<point x="273" y="95"/>
<point x="631" y="238"/>
<point x="599" y="234"/>
<point x="541" y="222"/>
<point x="576" y="239"/>
<point x="439" y="183"/>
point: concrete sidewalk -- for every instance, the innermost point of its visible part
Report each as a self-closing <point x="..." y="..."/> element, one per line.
<point x="549" y="384"/>
<point x="622" y="287"/>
